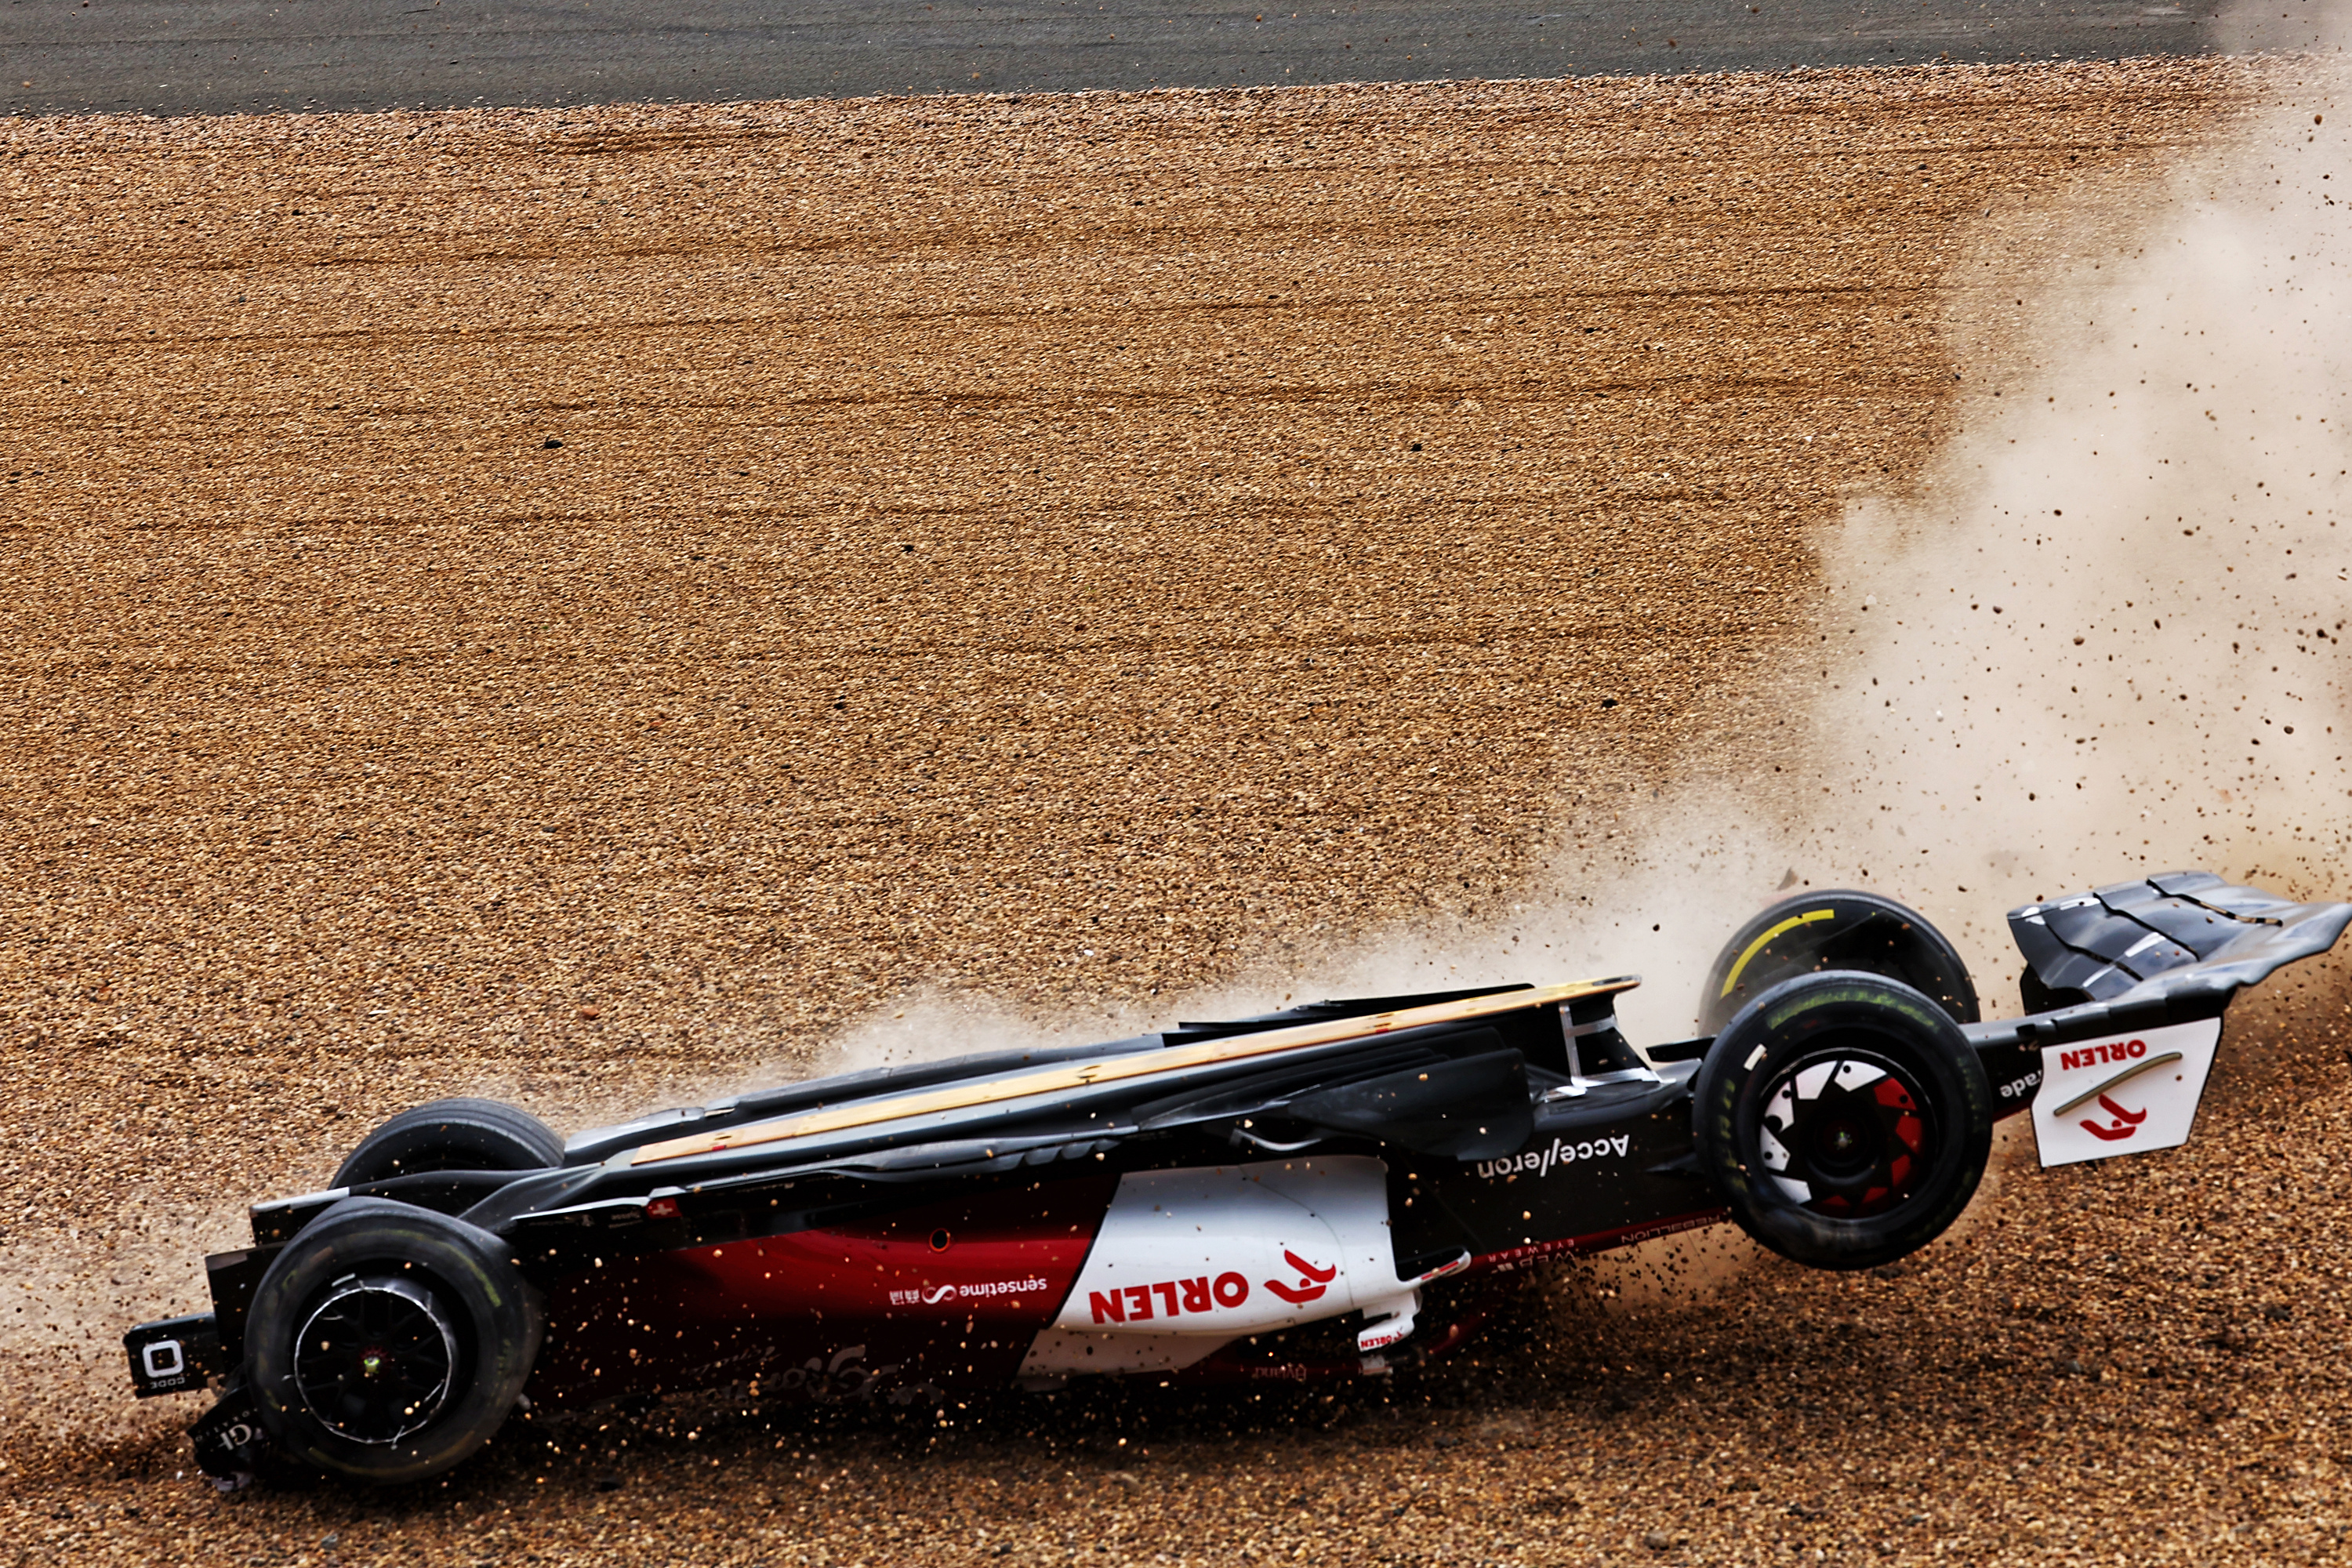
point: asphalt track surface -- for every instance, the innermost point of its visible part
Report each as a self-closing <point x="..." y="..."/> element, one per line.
<point x="214" y="57"/>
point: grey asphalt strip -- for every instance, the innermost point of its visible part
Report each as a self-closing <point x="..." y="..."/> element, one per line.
<point x="169" y="56"/>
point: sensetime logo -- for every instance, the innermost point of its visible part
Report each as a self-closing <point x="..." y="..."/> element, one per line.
<point x="1542" y="1161"/>
<point x="938" y="1295"/>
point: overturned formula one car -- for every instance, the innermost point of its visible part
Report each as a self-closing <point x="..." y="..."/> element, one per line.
<point x="1173" y="1205"/>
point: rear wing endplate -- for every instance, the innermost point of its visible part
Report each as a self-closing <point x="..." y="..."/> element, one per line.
<point x="2141" y="973"/>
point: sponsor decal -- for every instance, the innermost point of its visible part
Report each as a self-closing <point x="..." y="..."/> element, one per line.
<point x="2128" y="1094"/>
<point x="1312" y="1281"/>
<point x="2021" y="1086"/>
<point x="845" y="1375"/>
<point x="239" y="1433"/>
<point x="1171" y="1297"/>
<point x="2124" y="1120"/>
<point x="2105" y="1051"/>
<point x="1540" y="1162"/>
<point x="2126" y="1123"/>
<point x="937" y="1295"/>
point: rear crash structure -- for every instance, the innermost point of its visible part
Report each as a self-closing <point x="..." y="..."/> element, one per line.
<point x="1312" y="1192"/>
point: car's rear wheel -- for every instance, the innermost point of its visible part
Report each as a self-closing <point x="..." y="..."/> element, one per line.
<point x="387" y="1343"/>
<point x="1844" y="1118"/>
<point x="453" y="1135"/>
<point x="1840" y="929"/>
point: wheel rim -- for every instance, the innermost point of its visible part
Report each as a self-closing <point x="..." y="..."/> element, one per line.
<point x="1846" y="1134"/>
<point x="377" y="1358"/>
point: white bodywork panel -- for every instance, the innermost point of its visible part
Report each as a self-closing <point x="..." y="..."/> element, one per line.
<point x="1188" y="1261"/>
<point x="2127" y="1094"/>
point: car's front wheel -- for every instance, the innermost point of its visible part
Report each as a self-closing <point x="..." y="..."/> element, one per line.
<point x="387" y="1343"/>
<point x="1844" y="1118"/>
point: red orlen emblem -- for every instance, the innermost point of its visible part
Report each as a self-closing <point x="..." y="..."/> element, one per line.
<point x="2127" y="1122"/>
<point x="1312" y="1282"/>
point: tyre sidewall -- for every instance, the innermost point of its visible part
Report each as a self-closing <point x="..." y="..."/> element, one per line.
<point x="496" y="1311"/>
<point x="1795" y="1019"/>
<point x="1927" y="951"/>
<point x="453" y="1135"/>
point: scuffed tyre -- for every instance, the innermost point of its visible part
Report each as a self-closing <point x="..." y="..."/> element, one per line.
<point x="453" y="1135"/>
<point x="1839" y="928"/>
<point x="387" y="1343"/>
<point x="1844" y="1118"/>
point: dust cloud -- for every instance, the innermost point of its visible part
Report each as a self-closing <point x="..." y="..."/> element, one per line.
<point x="2106" y="638"/>
<point x="2102" y="636"/>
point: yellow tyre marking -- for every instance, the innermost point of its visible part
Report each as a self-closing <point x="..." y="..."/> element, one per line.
<point x="1111" y="1070"/>
<point x="2125" y="1076"/>
<point x="1791" y="923"/>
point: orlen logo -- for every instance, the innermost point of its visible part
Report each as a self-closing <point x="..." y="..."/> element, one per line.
<point x="2127" y="1122"/>
<point x="2092" y="1055"/>
<point x="1177" y="1297"/>
<point x="1312" y="1281"/>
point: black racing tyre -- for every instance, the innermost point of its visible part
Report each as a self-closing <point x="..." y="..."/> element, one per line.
<point x="1844" y="1119"/>
<point x="386" y="1343"/>
<point x="453" y="1135"/>
<point x="1840" y="929"/>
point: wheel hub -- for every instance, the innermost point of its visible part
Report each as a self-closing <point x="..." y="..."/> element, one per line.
<point x="377" y="1358"/>
<point x="1844" y="1134"/>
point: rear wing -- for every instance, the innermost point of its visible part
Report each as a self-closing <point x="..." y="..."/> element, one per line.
<point x="2171" y="949"/>
<point x="2127" y="985"/>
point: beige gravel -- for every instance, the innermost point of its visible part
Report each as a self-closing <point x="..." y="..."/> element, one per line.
<point x="1052" y="554"/>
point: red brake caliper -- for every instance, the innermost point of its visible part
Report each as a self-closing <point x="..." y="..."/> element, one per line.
<point x="1908" y="1129"/>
